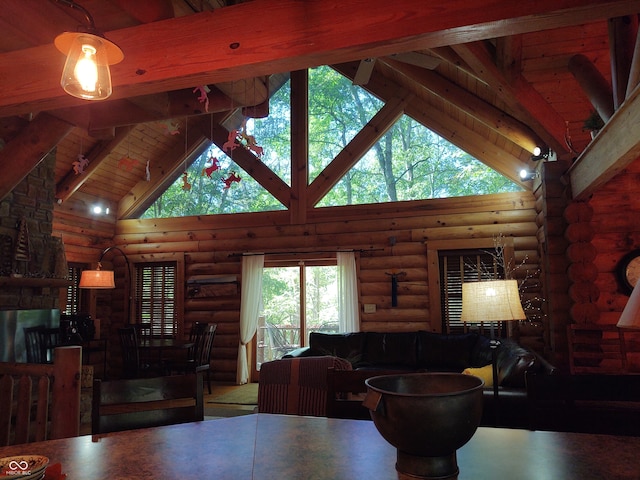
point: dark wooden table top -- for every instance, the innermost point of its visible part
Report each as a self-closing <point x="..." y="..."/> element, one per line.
<point x="267" y="447"/>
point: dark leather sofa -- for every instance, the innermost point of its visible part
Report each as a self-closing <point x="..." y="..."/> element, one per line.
<point x="424" y="351"/>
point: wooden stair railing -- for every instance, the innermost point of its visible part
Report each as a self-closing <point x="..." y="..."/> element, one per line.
<point x="56" y="397"/>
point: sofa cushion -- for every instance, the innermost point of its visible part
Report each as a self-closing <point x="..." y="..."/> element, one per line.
<point x="390" y="349"/>
<point x="344" y="345"/>
<point x="438" y="351"/>
<point x="485" y="373"/>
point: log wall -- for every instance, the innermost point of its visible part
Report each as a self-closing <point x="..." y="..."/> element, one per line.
<point x="615" y="230"/>
<point x="390" y="238"/>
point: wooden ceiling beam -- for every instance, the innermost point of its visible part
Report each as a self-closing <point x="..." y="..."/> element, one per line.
<point x="163" y="172"/>
<point x="622" y="36"/>
<point x="486" y="113"/>
<point x="518" y="94"/>
<point x="250" y="164"/>
<point x="595" y="86"/>
<point x="361" y="143"/>
<point x="29" y="148"/>
<point x="613" y="149"/>
<point x="509" y="56"/>
<point x="147" y="11"/>
<point x="98" y="116"/>
<point x="634" y="70"/>
<point x="100" y="151"/>
<point x="299" y="204"/>
<point x="183" y="53"/>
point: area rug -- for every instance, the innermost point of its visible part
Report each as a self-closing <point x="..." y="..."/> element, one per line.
<point x="213" y="413"/>
<point x="243" y="395"/>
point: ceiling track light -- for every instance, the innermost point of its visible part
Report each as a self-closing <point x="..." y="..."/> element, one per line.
<point x="86" y="72"/>
<point x="526" y="174"/>
<point x="544" y="153"/>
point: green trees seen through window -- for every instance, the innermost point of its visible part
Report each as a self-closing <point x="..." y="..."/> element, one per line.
<point x="409" y="162"/>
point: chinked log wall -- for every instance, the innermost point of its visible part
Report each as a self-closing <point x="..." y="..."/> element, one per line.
<point x="210" y="242"/>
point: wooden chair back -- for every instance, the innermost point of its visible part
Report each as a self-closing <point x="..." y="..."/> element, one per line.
<point x="596" y="349"/>
<point x="345" y="392"/>
<point x="41" y="401"/>
<point x="50" y="338"/>
<point x="146" y="402"/>
<point x="143" y="330"/>
<point x="32" y="344"/>
<point x="130" y="352"/>
<point x="201" y="354"/>
<point x="203" y="346"/>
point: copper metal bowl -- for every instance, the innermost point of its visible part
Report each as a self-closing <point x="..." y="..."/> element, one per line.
<point x="427" y="417"/>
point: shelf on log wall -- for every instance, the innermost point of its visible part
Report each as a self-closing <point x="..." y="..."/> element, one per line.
<point x="34" y="282"/>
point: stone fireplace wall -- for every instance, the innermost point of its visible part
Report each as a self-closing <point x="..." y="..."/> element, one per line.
<point x="30" y="258"/>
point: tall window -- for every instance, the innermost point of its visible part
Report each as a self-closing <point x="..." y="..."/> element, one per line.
<point x="155" y="297"/>
<point x="456" y="268"/>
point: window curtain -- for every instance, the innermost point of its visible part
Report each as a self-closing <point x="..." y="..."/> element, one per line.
<point x="348" y="292"/>
<point x="250" y="301"/>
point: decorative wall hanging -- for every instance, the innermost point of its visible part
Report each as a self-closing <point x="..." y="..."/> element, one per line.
<point x="170" y="127"/>
<point x="211" y="166"/>
<point x="80" y="164"/>
<point x="203" y="90"/>
<point x="22" y="250"/>
<point x="233" y="177"/>
<point x="237" y="138"/>
<point x="127" y="163"/>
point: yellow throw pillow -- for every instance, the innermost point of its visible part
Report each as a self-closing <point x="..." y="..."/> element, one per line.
<point x="485" y="373"/>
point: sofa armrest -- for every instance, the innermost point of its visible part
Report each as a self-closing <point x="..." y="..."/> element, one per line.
<point x="303" y="352"/>
<point x="546" y="366"/>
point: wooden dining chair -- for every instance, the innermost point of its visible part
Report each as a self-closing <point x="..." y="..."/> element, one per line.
<point x="32" y="344"/>
<point x="198" y="359"/>
<point x="50" y="338"/>
<point x="129" y="404"/>
<point x="149" y="362"/>
<point x="131" y="367"/>
<point x="41" y="401"/>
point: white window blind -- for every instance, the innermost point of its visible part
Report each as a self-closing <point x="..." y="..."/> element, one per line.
<point x="155" y="297"/>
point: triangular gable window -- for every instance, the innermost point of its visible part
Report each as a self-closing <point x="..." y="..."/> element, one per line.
<point x="410" y="162"/>
<point x="206" y="193"/>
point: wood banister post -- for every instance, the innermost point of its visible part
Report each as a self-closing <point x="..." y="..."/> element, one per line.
<point x="67" y="364"/>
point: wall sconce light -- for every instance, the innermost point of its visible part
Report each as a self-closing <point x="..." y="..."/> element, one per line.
<point x="544" y="153"/>
<point x="526" y="174"/>
<point x="86" y="72"/>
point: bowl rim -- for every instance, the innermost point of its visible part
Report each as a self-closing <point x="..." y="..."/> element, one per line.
<point x="479" y="386"/>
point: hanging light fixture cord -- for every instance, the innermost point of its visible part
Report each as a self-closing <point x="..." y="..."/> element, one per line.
<point x="91" y="28"/>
